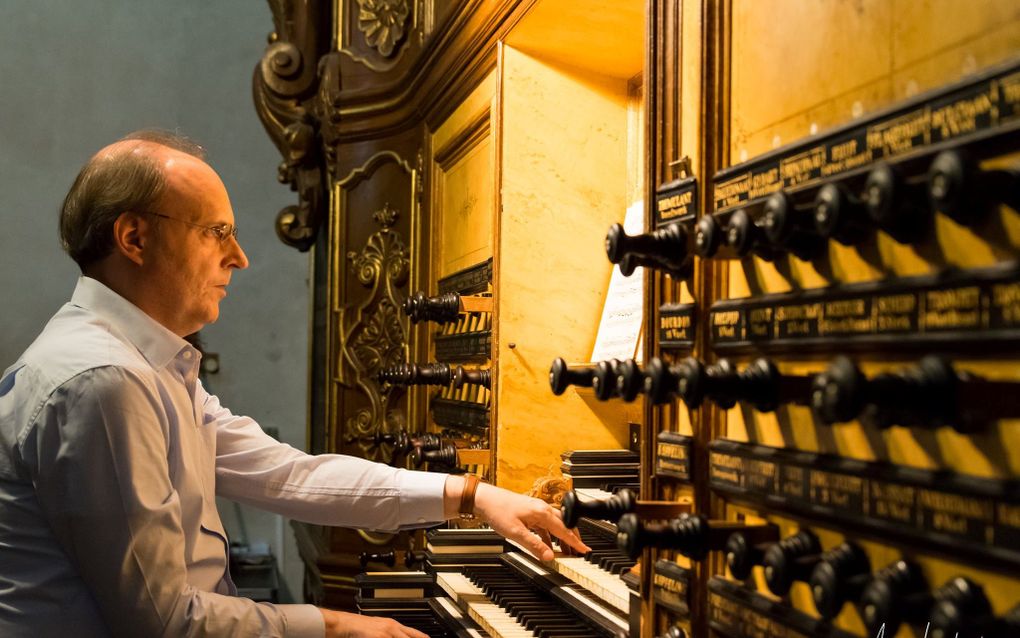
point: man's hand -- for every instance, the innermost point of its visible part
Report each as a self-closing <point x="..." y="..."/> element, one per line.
<point x="341" y="624"/>
<point x="527" y="520"/>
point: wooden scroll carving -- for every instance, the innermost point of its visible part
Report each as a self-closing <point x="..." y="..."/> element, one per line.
<point x="285" y="84"/>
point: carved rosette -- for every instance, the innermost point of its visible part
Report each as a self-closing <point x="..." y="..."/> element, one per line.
<point x="376" y="336"/>
<point x="384" y="23"/>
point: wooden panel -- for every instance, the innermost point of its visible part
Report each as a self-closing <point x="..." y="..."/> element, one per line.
<point x="564" y="181"/>
<point x="801" y="67"/>
<point x="464" y="183"/>
<point x="601" y="36"/>
<point x="849" y="59"/>
<point x="798" y="69"/>
<point x="375" y="216"/>
<point x="794" y="61"/>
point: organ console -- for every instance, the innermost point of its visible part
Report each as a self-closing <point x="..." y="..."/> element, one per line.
<point x="791" y="228"/>
<point x="624" y="380"/>
<point x="784" y="562"/>
<point x="414" y="374"/>
<point x="949" y="619"/>
<point x="441" y="309"/>
<point x="760" y="384"/>
<point x="840" y="577"/>
<point x="666" y="248"/>
<point x="445" y="457"/>
<point x="959" y="189"/>
<point x="520" y="597"/>
<point x="929" y="394"/>
<point x="692" y="536"/>
<point x="894" y="203"/>
<point x="791" y="559"/>
<point x="476" y="587"/>
<point x="403" y="442"/>
<point x="710" y="239"/>
<point x="747" y="237"/>
<point x="961" y="605"/>
<point x="840" y="215"/>
<point x="478" y="376"/>
<point x="897" y="593"/>
<point x="605" y="379"/>
<point x="831" y="221"/>
<point x="609" y="509"/>
<point x="561" y="376"/>
<point x="612" y="508"/>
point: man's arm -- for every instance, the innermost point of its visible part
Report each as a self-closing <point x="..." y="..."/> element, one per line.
<point x="97" y="455"/>
<point x="332" y="489"/>
<point x="325" y="489"/>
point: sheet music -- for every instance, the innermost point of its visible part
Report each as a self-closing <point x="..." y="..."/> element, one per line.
<point x="620" y="328"/>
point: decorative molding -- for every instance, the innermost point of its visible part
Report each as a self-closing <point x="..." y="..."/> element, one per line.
<point x="373" y="334"/>
<point x="284" y="82"/>
<point x="362" y="172"/>
<point x="461" y="51"/>
<point x="328" y="108"/>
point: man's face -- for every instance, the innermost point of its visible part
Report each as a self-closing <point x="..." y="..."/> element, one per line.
<point x="188" y="267"/>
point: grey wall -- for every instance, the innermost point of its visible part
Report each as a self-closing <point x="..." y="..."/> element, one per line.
<point x="76" y="76"/>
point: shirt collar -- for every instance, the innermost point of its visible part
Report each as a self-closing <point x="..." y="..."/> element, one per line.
<point x="156" y="343"/>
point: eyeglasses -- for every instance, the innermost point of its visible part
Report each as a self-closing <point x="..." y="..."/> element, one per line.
<point x="221" y="232"/>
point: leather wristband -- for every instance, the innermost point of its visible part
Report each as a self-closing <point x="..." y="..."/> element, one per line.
<point x="467" y="497"/>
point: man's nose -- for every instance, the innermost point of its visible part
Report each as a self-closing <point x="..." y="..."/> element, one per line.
<point x="235" y="255"/>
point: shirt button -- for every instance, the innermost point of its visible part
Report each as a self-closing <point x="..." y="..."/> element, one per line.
<point x="187" y="354"/>
<point x="421" y="520"/>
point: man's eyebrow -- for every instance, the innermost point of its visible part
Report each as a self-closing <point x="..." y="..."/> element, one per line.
<point x="216" y="222"/>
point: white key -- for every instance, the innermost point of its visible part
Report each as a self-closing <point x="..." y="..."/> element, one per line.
<point x="457" y="585"/>
<point x="495" y="620"/>
<point x="592" y="494"/>
<point x="606" y="586"/>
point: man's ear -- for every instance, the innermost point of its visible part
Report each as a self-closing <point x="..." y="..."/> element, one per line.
<point x="131" y="236"/>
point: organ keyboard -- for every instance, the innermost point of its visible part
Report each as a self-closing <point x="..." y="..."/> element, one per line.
<point x="599" y="571"/>
<point x="509" y="594"/>
<point x="523" y="597"/>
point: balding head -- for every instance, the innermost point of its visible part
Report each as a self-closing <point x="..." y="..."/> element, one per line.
<point x="128" y="175"/>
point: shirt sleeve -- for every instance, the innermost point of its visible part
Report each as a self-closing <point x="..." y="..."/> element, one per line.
<point x="324" y="489"/>
<point x="98" y="458"/>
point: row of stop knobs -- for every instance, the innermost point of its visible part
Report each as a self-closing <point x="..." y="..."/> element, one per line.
<point x="888" y="200"/>
<point x="421" y="448"/>
<point x="435" y="374"/>
<point x="930" y="393"/>
<point x="894" y="594"/>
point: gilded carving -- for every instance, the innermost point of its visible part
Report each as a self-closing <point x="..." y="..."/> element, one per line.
<point x="328" y="107"/>
<point x="284" y="89"/>
<point x="376" y="336"/>
<point x="384" y="23"/>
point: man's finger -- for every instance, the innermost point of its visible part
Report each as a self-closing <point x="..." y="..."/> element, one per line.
<point x="533" y="542"/>
<point x="562" y="532"/>
<point x="544" y="535"/>
<point x="572" y="538"/>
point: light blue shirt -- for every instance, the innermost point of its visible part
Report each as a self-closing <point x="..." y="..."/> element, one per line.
<point x="111" y="455"/>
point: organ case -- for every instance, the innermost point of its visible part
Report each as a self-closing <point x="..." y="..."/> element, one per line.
<point x="808" y="160"/>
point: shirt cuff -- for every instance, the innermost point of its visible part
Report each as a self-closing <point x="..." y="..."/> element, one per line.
<point x="303" y="621"/>
<point x="421" y="498"/>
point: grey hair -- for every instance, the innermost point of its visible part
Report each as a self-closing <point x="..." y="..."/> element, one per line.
<point x="109" y="185"/>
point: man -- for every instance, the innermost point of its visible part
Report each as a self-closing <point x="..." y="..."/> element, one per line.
<point x="111" y="452"/>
